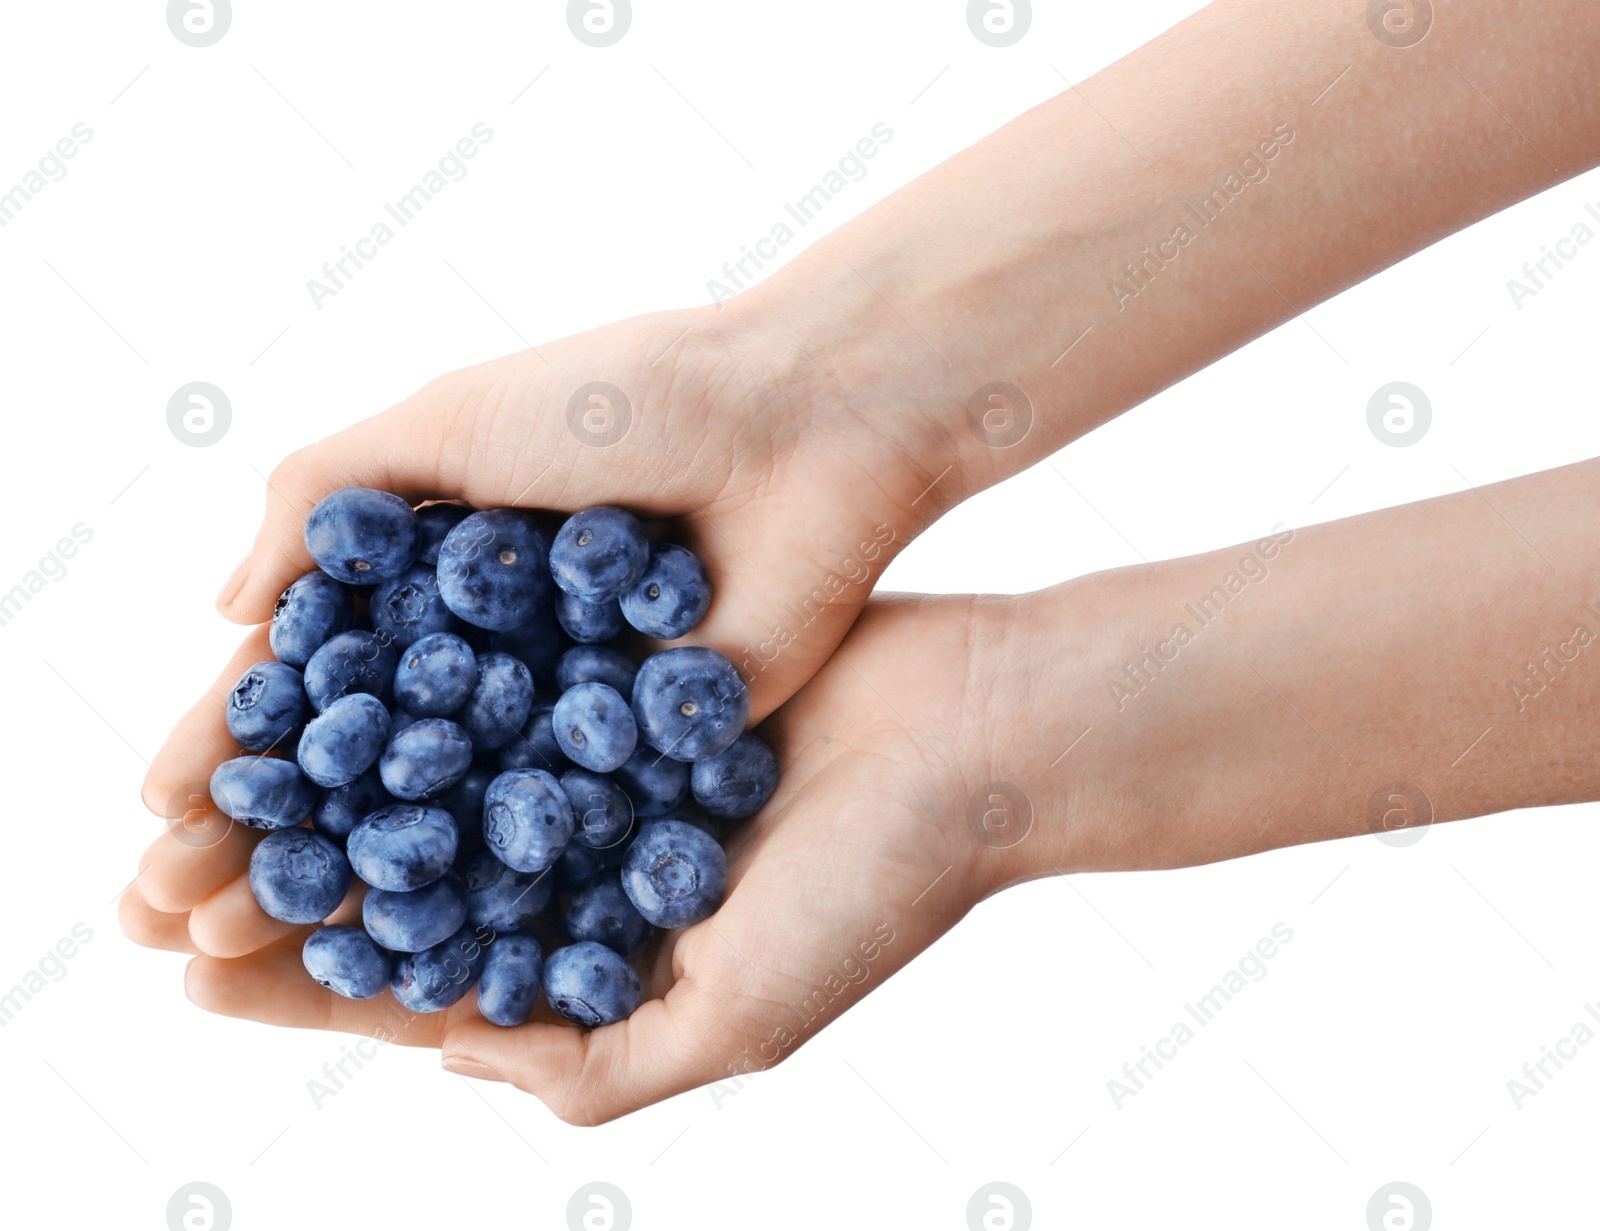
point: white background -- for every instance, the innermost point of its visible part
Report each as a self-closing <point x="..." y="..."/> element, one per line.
<point x="177" y="249"/>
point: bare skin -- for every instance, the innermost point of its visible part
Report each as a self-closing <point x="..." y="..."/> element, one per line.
<point x="828" y="409"/>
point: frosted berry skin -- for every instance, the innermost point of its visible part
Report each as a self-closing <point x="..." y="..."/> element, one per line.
<point x="353" y="661"/>
<point x="690" y="703"/>
<point x="654" y="784"/>
<point x="596" y="664"/>
<point x="591" y="985"/>
<point x="674" y="874"/>
<point x="601" y="811"/>
<point x="341" y="808"/>
<point x="312" y="609"/>
<point x="344" y="741"/>
<point x="501" y="899"/>
<point x="267" y="707"/>
<point x="410" y="606"/>
<point x="594" y="727"/>
<point x="403" y="847"/>
<point x="420" y="919"/>
<point x="263" y="792"/>
<point x="598" y="553"/>
<point x="346" y="961"/>
<point x="434" y="521"/>
<point x="527" y="820"/>
<point x="298" y="876"/>
<point x="509" y="986"/>
<point x="738" y="781"/>
<point x="436" y="675"/>
<point x="429" y="757"/>
<point x="494" y="569"/>
<point x="600" y="911"/>
<point x="437" y="977"/>
<point x="588" y="623"/>
<point x="500" y="702"/>
<point x="671" y="596"/>
<point x="536" y="747"/>
<point x="362" y="537"/>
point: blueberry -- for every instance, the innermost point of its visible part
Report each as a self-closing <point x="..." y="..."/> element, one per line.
<point x="408" y="922"/>
<point x="674" y="874"/>
<point x="601" y="812"/>
<point x="589" y="984"/>
<point x="598" y="553"/>
<point x="262" y="792"/>
<point x="594" y="726"/>
<point x="536" y="747"/>
<point x="343" y="742"/>
<point x="403" y="847"/>
<point x="539" y="642"/>
<point x="344" y="960"/>
<point x="526" y="819"/>
<point x="494" y="569"/>
<point x="356" y="660"/>
<point x="672" y="595"/>
<point x="429" y="756"/>
<point x="600" y="911"/>
<point x="510" y="984"/>
<point x="588" y="622"/>
<point x="298" y="876"/>
<point x="501" y="899"/>
<point x="437" y="977"/>
<point x="598" y="664"/>
<point x="361" y="536"/>
<point x="690" y="703"/>
<point x="738" y="781"/>
<point x="266" y="706"/>
<point x="343" y="807"/>
<point x="501" y="700"/>
<point x="654" y="783"/>
<point x="434" y="521"/>
<point x="579" y="863"/>
<point x="311" y="610"/>
<point x="436" y="675"/>
<point x="409" y="606"/>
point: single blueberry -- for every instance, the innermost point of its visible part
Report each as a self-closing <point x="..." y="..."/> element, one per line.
<point x="655" y="784"/>
<point x="738" y="781"/>
<point x="429" y="756"/>
<point x="409" y="606"/>
<point x="586" y="622"/>
<point x="591" y="985"/>
<point x="409" y="922"/>
<point x="298" y="876"/>
<point x="361" y="536"/>
<point x="510" y="984"/>
<point x="437" y="977"/>
<point x="500" y="899"/>
<point x="671" y="596"/>
<point x="536" y="746"/>
<point x="346" y="961"/>
<point x="434" y="521"/>
<point x="689" y="702"/>
<point x="262" y="792"/>
<point x="674" y="874"/>
<point x="596" y="664"/>
<point x="501" y="700"/>
<point x="526" y="819"/>
<point x="403" y="847"/>
<point x="600" y="911"/>
<point x="436" y="675"/>
<point x="267" y="706"/>
<point x="310" y="611"/>
<point x="356" y="660"/>
<point x="601" y="811"/>
<point x="343" y="807"/>
<point x="598" y="553"/>
<point x="595" y="727"/>
<point x="342" y="743"/>
<point x="494" y="569"/>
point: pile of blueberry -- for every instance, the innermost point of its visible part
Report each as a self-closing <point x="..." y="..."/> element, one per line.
<point x="506" y="845"/>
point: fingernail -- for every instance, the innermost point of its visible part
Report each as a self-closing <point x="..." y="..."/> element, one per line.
<point x="235" y="583"/>
<point x="465" y="1066"/>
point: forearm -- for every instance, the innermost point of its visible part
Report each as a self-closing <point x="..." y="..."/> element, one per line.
<point x="1074" y="254"/>
<point x="1272" y="693"/>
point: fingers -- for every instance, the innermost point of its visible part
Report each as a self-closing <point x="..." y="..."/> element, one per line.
<point x="151" y="928"/>
<point x="230" y="923"/>
<point x="176" y="876"/>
